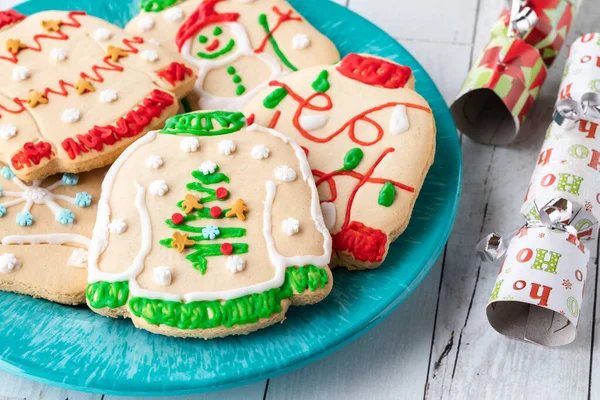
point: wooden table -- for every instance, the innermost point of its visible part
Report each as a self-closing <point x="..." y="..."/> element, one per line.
<point x="438" y="344"/>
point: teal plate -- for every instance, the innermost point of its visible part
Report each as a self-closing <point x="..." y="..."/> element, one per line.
<point x="77" y="349"/>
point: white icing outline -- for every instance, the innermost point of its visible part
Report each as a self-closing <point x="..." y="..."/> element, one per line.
<point x="210" y="102"/>
<point x="279" y="262"/>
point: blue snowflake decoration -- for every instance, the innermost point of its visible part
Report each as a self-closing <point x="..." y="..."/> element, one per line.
<point x="2" y="211"/>
<point x="70" y="179"/>
<point x="210" y="232"/>
<point x="7" y="173"/>
<point x="83" y="199"/>
<point x="25" y="218"/>
<point x="65" y="217"/>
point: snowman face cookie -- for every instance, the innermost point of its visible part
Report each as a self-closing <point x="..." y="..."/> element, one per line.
<point x="237" y="46"/>
<point x="370" y="140"/>
<point x="223" y="230"/>
<point x="45" y="232"/>
<point x="78" y="90"/>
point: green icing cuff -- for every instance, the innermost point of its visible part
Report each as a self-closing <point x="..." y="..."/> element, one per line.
<point x="203" y="123"/>
<point x="210" y="314"/>
<point x="107" y="294"/>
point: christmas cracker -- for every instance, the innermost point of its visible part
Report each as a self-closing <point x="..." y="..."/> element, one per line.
<point x="539" y="290"/>
<point x="508" y="74"/>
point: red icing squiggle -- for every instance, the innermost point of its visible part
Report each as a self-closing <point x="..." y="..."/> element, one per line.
<point x="58" y="36"/>
<point x="175" y="72"/>
<point x="374" y="71"/>
<point x="127" y="126"/>
<point x="351" y="124"/>
<point x="204" y="15"/>
<point x="32" y="153"/>
<point x="10" y="17"/>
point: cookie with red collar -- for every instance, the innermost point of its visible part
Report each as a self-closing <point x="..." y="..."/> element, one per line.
<point x="370" y="140"/>
<point x="78" y="91"/>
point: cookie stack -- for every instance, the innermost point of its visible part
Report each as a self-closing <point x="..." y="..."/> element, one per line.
<point x="202" y="170"/>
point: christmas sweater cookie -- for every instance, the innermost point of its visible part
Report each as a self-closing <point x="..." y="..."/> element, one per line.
<point x="45" y="231"/>
<point x="77" y="90"/>
<point x="237" y="46"/>
<point x="370" y="139"/>
<point x="223" y="230"/>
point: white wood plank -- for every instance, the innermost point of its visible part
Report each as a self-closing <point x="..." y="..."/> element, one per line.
<point x="250" y="392"/>
<point x="437" y="21"/>
<point x="469" y="358"/>
<point x="387" y="363"/>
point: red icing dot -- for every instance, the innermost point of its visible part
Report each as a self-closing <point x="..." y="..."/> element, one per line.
<point x="226" y="249"/>
<point x="250" y="120"/>
<point x="216" y="212"/>
<point x="177" y="219"/>
<point x="222" y="193"/>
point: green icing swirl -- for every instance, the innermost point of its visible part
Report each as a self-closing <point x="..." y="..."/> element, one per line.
<point x="202" y="123"/>
<point x="212" y="314"/>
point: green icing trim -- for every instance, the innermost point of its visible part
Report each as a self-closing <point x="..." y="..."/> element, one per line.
<point x="202" y="123"/>
<point x="157" y="5"/>
<point x="107" y="294"/>
<point x="321" y="84"/>
<point x="262" y="20"/>
<point x="387" y="194"/>
<point x="275" y="97"/>
<point x="240" y="311"/>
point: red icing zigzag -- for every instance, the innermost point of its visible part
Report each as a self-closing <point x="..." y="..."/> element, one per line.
<point x="128" y="126"/>
<point x="175" y="72"/>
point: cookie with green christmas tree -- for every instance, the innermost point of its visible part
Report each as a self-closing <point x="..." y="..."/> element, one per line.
<point x="208" y="228"/>
<point x="370" y="140"/>
<point x="237" y="46"/>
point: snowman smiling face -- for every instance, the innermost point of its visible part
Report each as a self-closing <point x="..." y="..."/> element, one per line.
<point x="214" y="43"/>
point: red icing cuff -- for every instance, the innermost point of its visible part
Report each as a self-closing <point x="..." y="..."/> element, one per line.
<point x="127" y="126"/>
<point x="32" y="153"/>
<point x="375" y="71"/>
<point x="364" y="243"/>
<point x="10" y="17"/>
<point x="175" y="72"/>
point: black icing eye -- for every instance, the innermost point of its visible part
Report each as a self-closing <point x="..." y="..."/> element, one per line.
<point x="203" y="39"/>
<point x="217" y="31"/>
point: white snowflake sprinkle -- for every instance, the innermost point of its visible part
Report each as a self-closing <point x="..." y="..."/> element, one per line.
<point x="159" y="188"/>
<point x="149" y="56"/>
<point x="207" y="167"/>
<point x="7" y="131"/>
<point x="102" y="34"/>
<point x="235" y="264"/>
<point x="108" y="96"/>
<point x="117" y="227"/>
<point x="285" y="173"/>
<point x="226" y="147"/>
<point x="9" y="263"/>
<point x="260" y="152"/>
<point x="190" y="145"/>
<point x="70" y="115"/>
<point x="58" y="54"/>
<point x="290" y="226"/>
<point x="162" y="275"/>
<point x="78" y="259"/>
<point x="174" y="14"/>
<point x="146" y="23"/>
<point x="300" y="41"/>
<point x="153" y="161"/>
<point x="20" y="73"/>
